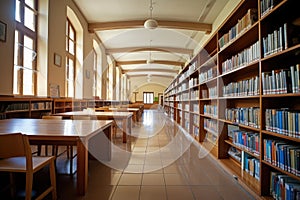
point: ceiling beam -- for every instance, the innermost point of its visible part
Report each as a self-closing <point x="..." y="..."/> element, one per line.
<point x="163" y="62"/>
<point x="152" y="75"/>
<point x="196" y="26"/>
<point x="137" y="49"/>
<point x="152" y="70"/>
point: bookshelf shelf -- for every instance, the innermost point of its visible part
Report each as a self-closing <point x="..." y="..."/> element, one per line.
<point x="232" y="86"/>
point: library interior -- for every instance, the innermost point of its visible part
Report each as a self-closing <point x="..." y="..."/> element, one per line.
<point x="150" y="99"/>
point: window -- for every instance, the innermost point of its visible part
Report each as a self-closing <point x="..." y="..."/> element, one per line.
<point x="95" y="74"/>
<point x="148" y="97"/>
<point x="25" y="47"/>
<point x="70" y="59"/>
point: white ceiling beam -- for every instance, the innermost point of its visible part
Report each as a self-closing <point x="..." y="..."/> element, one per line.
<point x="162" y="49"/>
<point x="151" y="70"/>
<point x="163" y="62"/>
<point x="196" y="26"/>
<point x="152" y="75"/>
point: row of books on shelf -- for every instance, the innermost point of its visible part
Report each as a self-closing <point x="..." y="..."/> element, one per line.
<point x="211" y="125"/>
<point x="283" y="186"/>
<point x="183" y="96"/>
<point x="196" y="108"/>
<point x="250" y="165"/>
<point x="283" y="121"/>
<point x="183" y="86"/>
<point x="281" y="81"/>
<point x="242" y="59"/>
<point x="196" y="131"/>
<point x="210" y="93"/>
<point x="196" y="120"/>
<point x="208" y="74"/>
<point x="17" y="107"/>
<point x="193" y="67"/>
<point x="195" y="94"/>
<point x="247" y="116"/>
<point x="276" y="41"/>
<point x="193" y="82"/>
<point x="246" y="140"/>
<point x="242" y="25"/>
<point x="282" y="155"/>
<point x="210" y="110"/>
<point x="183" y="76"/>
<point x="266" y="6"/>
<point x="211" y="137"/>
<point x="235" y="153"/>
<point x="247" y="87"/>
<point x="41" y="105"/>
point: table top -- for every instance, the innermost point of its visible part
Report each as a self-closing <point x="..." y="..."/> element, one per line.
<point x="53" y="128"/>
<point x="108" y="114"/>
<point x="124" y="109"/>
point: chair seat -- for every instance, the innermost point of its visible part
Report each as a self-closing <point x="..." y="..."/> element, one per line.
<point x="18" y="164"/>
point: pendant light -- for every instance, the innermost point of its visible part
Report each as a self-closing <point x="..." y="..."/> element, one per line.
<point x="150" y="23"/>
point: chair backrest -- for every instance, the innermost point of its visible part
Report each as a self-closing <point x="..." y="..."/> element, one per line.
<point x="15" y="145"/>
<point x="51" y="117"/>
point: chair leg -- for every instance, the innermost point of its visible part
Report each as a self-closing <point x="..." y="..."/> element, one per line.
<point x="29" y="182"/>
<point x="53" y="180"/>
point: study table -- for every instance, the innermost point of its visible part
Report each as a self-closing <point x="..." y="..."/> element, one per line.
<point x="126" y="118"/>
<point x="135" y="111"/>
<point x="80" y="133"/>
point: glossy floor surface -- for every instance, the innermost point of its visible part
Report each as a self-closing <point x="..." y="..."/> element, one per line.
<point x="158" y="162"/>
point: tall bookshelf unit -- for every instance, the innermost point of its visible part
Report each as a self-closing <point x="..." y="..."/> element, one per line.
<point x="239" y="96"/>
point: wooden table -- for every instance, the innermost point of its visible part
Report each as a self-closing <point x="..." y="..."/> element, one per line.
<point x="81" y="133"/>
<point x="135" y="111"/>
<point x="126" y="118"/>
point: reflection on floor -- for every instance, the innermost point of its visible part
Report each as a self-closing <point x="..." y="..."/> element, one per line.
<point x="162" y="165"/>
<point x="158" y="162"/>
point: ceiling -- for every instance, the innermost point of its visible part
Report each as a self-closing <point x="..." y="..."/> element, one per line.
<point x="181" y="26"/>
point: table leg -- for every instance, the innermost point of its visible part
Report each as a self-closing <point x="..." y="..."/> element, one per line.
<point x="124" y="121"/>
<point x="82" y="167"/>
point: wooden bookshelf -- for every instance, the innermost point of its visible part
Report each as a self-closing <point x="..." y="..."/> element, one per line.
<point x="241" y="75"/>
<point x="25" y="107"/>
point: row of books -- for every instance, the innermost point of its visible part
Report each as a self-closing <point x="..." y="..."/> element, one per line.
<point x="281" y="81"/>
<point x="213" y="92"/>
<point x="283" y="121"/>
<point x="195" y="94"/>
<point x="17" y="107"/>
<point x="242" y="25"/>
<point x="266" y="6"/>
<point x="183" y="86"/>
<point x="235" y="153"/>
<point x="196" y="131"/>
<point x="41" y="105"/>
<point x="208" y="74"/>
<point x="210" y="110"/>
<point x="276" y="41"/>
<point x="196" y="108"/>
<point x="196" y="120"/>
<point x="246" y="140"/>
<point x="284" y="187"/>
<point x="193" y="67"/>
<point x="246" y="116"/>
<point x="211" y="137"/>
<point x="193" y="82"/>
<point x="250" y="165"/>
<point x="243" y="58"/>
<point x="211" y="125"/>
<point x="247" y="87"/>
<point x="183" y="97"/>
<point x="283" y="155"/>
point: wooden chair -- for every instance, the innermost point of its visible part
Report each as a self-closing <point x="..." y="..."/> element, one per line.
<point x="16" y="157"/>
<point x="54" y="147"/>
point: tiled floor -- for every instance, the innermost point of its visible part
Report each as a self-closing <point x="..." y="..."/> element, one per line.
<point x="159" y="162"/>
<point x="161" y="165"/>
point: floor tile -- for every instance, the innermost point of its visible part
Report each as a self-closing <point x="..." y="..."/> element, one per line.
<point x="153" y="179"/>
<point x="175" y="179"/>
<point x="126" y="193"/>
<point x="130" y="179"/>
<point x="179" y="193"/>
<point x="153" y="193"/>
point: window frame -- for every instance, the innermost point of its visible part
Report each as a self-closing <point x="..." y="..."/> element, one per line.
<point x="148" y="93"/>
<point x="23" y="31"/>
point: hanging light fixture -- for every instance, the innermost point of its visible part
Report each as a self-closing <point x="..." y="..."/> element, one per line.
<point x="150" y="23"/>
